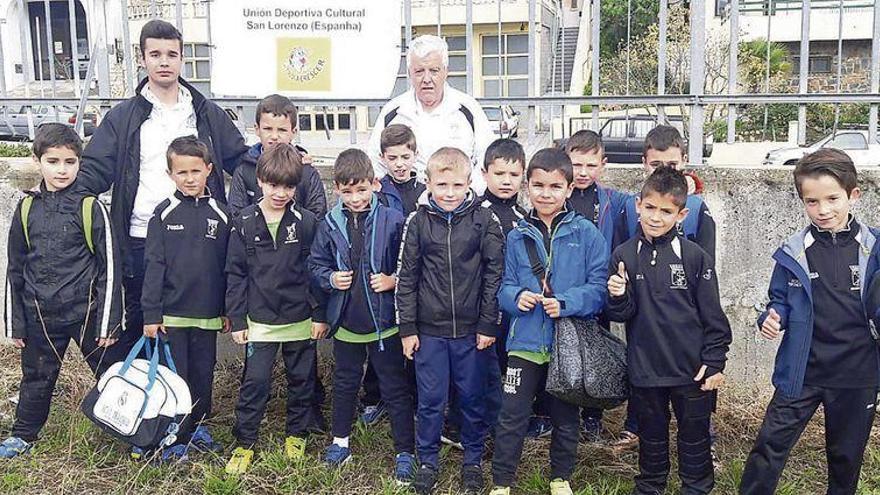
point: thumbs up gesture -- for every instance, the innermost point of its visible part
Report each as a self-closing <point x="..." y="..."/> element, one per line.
<point x="772" y="325"/>
<point x="617" y="281"/>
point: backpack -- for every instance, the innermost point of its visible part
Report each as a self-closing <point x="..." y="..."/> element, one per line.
<point x="88" y="204"/>
<point x="690" y="226"/>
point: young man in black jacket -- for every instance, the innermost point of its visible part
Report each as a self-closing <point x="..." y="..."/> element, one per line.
<point x="62" y="281"/>
<point x="127" y="152"/>
<point x="272" y="305"/>
<point x="664" y="288"/>
<point x="185" y="283"/>
<point x="448" y="279"/>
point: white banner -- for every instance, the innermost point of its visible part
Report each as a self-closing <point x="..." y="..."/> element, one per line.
<point x="305" y="48"/>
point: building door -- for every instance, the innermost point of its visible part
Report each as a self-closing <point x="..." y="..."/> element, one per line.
<point x="61" y="52"/>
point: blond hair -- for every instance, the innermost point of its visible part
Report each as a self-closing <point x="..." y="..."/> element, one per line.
<point x="446" y="159"/>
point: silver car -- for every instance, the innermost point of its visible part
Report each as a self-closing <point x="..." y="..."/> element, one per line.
<point x="854" y="142"/>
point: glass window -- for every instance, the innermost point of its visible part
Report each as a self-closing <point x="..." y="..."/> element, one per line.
<point x="490" y="45"/>
<point x="518" y="65"/>
<point x="203" y="69"/>
<point x="344" y="120"/>
<point x="848" y="141"/>
<point x="457" y="63"/>
<point x="517" y="43"/>
<point x="515" y="67"/>
<point x="202" y="50"/>
<point x="490" y="66"/>
<point x="305" y="122"/>
<point x="518" y="87"/>
<point x="458" y="82"/>
<point x="188" y="50"/>
<point x="456" y="43"/>
<point x="490" y="87"/>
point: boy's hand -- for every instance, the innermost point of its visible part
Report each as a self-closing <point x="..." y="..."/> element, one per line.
<point x="617" y="282"/>
<point x="410" y="346"/>
<point x="341" y="280"/>
<point x="240" y="337"/>
<point x="551" y="306"/>
<point x="528" y="300"/>
<point x="484" y="341"/>
<point x="151" y="331"/>
<point x="107" y="342"/>
<point x="380" y="282"/>
<point x="714" y="382"/>
<point x="227" y="324"/>
<point x="772" y="325"/>
<point x="18" y="343"/>
<point x="319" y="330"/>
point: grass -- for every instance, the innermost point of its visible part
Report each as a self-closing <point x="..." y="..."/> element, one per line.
<point x="73" y="456"/>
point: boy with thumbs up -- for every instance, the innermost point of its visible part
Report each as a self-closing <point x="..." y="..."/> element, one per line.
<point x="663" y="286"/>
<point x="824" y="301"/>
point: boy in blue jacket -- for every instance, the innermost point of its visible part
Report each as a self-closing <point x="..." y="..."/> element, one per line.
<point x="824" y="301"/>
<point x="573" y="285"/>
<point x="354" y="260"/>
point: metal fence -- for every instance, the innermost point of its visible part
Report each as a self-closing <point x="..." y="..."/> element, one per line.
<point x="695" y="101"/>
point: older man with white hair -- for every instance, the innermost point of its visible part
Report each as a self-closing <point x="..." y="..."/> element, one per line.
<point x="438" y="114"/>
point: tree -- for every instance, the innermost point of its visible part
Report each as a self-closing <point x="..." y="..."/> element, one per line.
<point x="614" y="16"/>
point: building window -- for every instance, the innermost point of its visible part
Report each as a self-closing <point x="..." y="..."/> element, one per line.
<point x="819" y="64"/>
<point x="196" y="62"/>
<point x="336" y="119"/>
<point x="721" y="7"/>
<point x="514" y="71"/>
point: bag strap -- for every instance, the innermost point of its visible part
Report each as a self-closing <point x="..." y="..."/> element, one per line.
<point x="537" y="265"/>
<point x="25" y="211"/>
<point x="154" y="360"/>
<point x="88" y="204"/>
<point x="169" y="361"/>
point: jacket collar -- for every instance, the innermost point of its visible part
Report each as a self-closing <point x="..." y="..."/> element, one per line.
<point x="428" y="202"/>
<point x="495" y="200"/>
<point x="198" y="99"/>
<point x="206" y="195"/>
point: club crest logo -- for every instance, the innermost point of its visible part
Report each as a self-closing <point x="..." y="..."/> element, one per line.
<point x="291" y="235"/>
<point x="212" y="228"/>
<point x="304" y="64"/>
<point x="855" y="277"/>
<point x="678" y="277"/>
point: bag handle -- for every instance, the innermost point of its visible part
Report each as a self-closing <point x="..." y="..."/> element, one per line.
<point x="167" y="348"/>
<point x="154" y="360"/>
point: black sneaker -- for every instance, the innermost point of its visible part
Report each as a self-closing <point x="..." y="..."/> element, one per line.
<point x="426" y="478"/>
<point x="471" y="479"/>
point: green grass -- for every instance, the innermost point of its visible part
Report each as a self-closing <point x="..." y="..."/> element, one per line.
<point x="73" y="456"/>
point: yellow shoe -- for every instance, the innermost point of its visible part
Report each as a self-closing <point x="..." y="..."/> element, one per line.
<point x="560" y="487"/>
<point x="295" y="448"/>
<point x="500" y="490"/>
<point x="240" y="461"/>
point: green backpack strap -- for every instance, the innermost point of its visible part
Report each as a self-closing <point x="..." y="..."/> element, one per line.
<point x="87" y="204"/>
<point x="25" y="210"/>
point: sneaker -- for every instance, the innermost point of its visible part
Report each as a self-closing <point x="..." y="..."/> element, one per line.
<point x="240" y="461"/>
<point x="295" y="448"/>
<point x="175" y="453"/>
<point x="627" y="440"/>
<point x="539" y="427"/>
<point x="203" y="441"/>
<point x="137" y="453"/>
<point x="335" y="456"/>
<point x="13" y="447"/>
<point x="592" y="432"/>
<point x="426" y="478"/>
<point x="373" y="414"/>
<point x="500" y="490"/>
<point x="471" y="479"/>
<point x="452" y="436"/>
<point x="404" y="468"/>
<point x="560" y="487"/>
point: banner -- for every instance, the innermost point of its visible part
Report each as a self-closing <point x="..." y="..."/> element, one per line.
<point x="323" y="49"/>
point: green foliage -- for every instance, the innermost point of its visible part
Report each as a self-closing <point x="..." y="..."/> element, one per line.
<point x="614" y="20"/>
<point x="14" y="150"/>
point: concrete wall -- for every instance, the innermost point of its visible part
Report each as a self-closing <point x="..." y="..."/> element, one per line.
<point x="755" y="210"/>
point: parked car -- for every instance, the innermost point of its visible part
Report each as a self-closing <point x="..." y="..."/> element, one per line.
<point x="14" y="122"/>
<point x="624" y="137"/>
<point x="854" y="142"/>
<point x="503" y="120"/>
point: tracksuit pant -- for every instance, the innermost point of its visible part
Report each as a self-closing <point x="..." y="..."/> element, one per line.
<point x="391" y="377"/>
<point x="256" y="383"/>
<point x="40" y="364"/>
<point x="523" y="381"/>
<point x="692" y="408"/>
<point x="849" y="414"/>
<point x="132" y="284"/>
<point x="439" y="362"/>
<point x="194" y="352"/>
<point x="490" y="370"/>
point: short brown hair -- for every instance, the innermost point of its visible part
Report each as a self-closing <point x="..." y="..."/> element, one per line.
<point x="188" y="146"/>
<point x="505" y="149"/>
<point x="827" y="161"/>
<point x="395" y="135"/>
<point x="663" y="137"/>
<point x="352" y="166"/>
<point x="160" y="30"/>
<point x="280" y="164"/>
<point x="667" y="181"/>
<point x="279" y="106"/>
<point x="551" y="160"/>
<point x="584" y="141"/>
<point x="56" y="135"/>
<point x="448" y="158"/>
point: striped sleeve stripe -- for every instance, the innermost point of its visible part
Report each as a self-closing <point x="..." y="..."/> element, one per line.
<point x="7" y="330"/>
<point x="108" y="289"/>
<point x="400" y="262"/>
<point x="217" y="209"/>
<point x="174" y="202"/>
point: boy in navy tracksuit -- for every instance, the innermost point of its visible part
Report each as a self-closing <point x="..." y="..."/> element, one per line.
<point x="400" y="190"/>
<point x="62" y="281"/>
<point x="185" y="284"/>
<point x="448" y="278"/>
<point x="276" y="124"/>
<point x="600" y="205"/>
<point x="664" y="288"/>
<point x="354" y="259"/>
<point x="572" y="284"/>
<point x="272" y="305"/>
<point x="825" y="297"/>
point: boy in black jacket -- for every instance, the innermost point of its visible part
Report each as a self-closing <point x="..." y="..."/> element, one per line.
<point x="448" y="279"/>
<point x="354" y="260"/>
<point x="271" y="304"/>
<point x="184" y="283"/>
<point x="62" y="281"/>
<point x="664" y="287"/>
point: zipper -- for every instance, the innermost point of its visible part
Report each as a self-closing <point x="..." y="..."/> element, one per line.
<point x="451" y="287"/>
